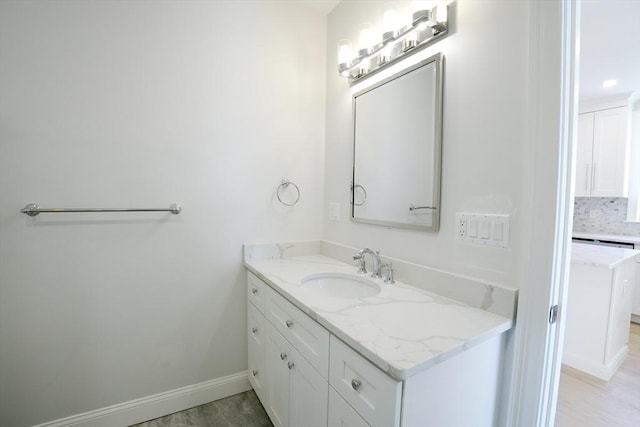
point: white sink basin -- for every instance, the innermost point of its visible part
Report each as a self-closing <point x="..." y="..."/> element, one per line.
<point x="340" y="285"/>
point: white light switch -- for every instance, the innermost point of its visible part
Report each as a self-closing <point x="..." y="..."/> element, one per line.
<point x="472" y="228"/>
<point x="483" y="228"/>
<point x="497" y="233"/>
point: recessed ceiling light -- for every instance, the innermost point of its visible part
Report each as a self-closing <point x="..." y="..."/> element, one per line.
<point x="609" y="83"/>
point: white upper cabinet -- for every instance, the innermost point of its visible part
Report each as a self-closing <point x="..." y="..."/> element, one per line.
<point x="601" y="153"/>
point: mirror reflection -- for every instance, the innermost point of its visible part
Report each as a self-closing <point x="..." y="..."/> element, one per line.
<point x="397" y="149"/>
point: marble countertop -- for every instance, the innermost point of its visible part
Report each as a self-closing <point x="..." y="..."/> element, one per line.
<point x="403" y="330"/>
<point x="600" y="256"/>
<point x="608" y="237"/>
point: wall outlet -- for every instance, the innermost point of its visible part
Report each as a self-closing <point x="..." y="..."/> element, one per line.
<point x="461" y="226"/>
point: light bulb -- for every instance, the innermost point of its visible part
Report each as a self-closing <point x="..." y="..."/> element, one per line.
<point x="365" y="40"/>
<point x="344" y="51"/>
<point x="390" y="20"/>
<point x="441" y="12"/>
<point x="389" y="24"/>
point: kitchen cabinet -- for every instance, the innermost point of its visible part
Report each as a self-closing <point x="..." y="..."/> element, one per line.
<point x="601" y="153"/>
<point x="601" y="286"/>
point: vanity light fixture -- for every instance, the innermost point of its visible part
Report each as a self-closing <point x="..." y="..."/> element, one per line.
<point x="426" y="26"/>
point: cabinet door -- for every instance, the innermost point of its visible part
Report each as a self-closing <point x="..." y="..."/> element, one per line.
<point x="620" y="314"/>
<point x="277" y="383"/>
<point x="584" y="153"/>
<point x="308" y="393"/>
<point x="256" y="345"/>
<point x="609" y="152"/>
<point x="341" y="414"/>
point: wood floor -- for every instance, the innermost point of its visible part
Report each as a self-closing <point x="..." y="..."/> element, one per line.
<point x="585" y="401"/>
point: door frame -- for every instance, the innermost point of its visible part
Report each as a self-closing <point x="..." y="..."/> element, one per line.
<point x="552" y="111"/>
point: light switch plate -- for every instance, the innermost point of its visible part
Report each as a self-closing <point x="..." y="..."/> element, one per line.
<point x="483" y="229"/>
<point x="334" y="211"/>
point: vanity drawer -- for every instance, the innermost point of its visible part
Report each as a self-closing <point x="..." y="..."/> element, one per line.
<point x="341" y="414"/>
<point x="307" y="336"/>
<point x="256" y="291"/>
<point x="373" y="394"/>
<point x="256" y="343"/>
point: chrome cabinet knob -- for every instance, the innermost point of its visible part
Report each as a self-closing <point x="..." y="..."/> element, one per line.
<point x="254" y="373"/>
<point x="291" y="365"/>
<point x="254" y="291"/>
<point x="289" y="324"/>
<point x="283" y="356"/>
<point x="355" y="384"/>
<point x="254" y="330"/>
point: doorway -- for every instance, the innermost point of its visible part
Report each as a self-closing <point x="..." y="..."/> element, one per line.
<point x="608" y="75"/>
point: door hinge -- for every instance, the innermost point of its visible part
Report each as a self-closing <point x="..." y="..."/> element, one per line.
<point x="553" y="314"/>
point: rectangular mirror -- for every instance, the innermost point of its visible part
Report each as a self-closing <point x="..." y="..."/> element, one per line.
<point x="397" y="127"/>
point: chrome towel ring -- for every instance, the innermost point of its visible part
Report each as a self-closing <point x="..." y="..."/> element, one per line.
<point x="283" y="185"/>
<point x="364" y="192"/>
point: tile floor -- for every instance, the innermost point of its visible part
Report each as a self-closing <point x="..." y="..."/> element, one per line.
<point x="241" y="410"/>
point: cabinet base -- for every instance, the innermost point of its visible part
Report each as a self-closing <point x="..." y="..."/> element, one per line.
<point x="603" y="372"/>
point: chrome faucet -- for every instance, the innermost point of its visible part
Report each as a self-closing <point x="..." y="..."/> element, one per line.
<point x="359" y="256"/>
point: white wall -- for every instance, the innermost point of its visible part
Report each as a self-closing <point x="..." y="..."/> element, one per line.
<point x="484" y="156"/>
<point x="137" y="103"/>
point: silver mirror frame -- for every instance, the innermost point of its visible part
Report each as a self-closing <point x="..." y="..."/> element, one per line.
<point x="438" y="59"/>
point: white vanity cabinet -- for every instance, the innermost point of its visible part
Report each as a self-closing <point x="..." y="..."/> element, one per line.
<point x="601" y="153"/>
<point x="307" y="377"/>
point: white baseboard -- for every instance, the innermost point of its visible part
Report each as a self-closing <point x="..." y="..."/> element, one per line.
<point x="598" y="370"/>
<point x="158" y="405"/>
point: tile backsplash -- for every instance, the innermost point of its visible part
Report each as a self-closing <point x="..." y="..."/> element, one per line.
<point x="603" y="215"/>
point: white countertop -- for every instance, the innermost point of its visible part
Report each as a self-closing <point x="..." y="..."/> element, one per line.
<point x="403" y="330"/>
<point x="608" y="237"/>
<point x="600" y="256"/>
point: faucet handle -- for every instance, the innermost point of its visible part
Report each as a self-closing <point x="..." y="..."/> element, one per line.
<point x="388" y="277"/>
<point x="363" y="267"/>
